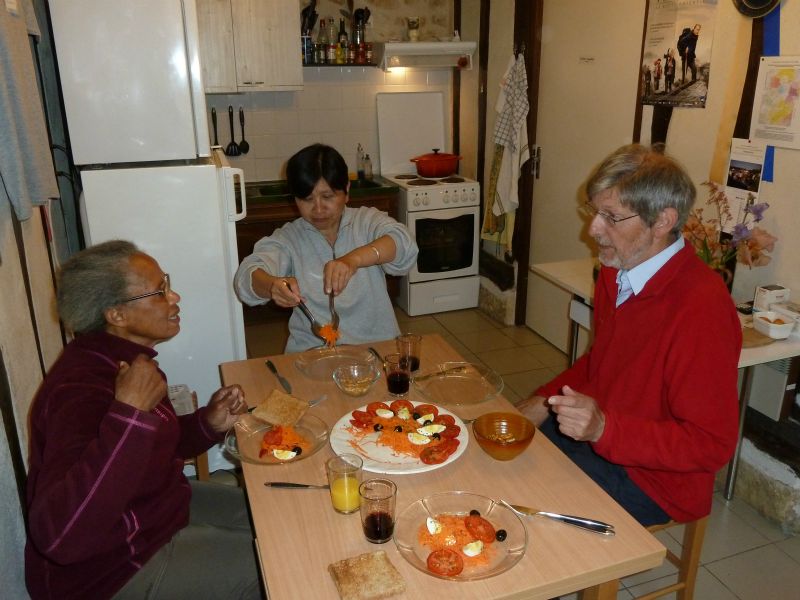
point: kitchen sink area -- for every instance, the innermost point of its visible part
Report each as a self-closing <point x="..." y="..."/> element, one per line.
<point x="277" y="192"/>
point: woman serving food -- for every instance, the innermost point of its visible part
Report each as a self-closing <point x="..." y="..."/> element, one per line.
<point x="330" y="249"/>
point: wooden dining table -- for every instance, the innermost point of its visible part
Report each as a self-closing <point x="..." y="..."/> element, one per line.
<point x="298" y="534"/>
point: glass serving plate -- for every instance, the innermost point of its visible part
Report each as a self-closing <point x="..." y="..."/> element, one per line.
<point x="455" y="384"/>
<point x="320" y="363"/>
<point x="247" y="445"/>
<point x="504" y="555"/>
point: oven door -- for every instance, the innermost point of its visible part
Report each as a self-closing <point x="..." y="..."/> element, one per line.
<point x="448" y="243"/>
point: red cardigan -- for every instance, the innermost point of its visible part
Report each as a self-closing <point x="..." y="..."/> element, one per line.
<point x="663" y="369"/>
<point x="105" y="487"/>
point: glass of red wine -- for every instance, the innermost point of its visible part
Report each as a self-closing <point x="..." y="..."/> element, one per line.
<point x="409" y="346"/>
<point x="398" y="374"/>
<point x="377" y="509"/>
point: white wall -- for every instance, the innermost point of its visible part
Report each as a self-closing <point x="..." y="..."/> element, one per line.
<point x="336" y="106"/>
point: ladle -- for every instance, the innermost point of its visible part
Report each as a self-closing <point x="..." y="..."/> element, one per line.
<point x="244" y="147"/>
<point x="233" y="148"/>
<point x="214" y="123"/>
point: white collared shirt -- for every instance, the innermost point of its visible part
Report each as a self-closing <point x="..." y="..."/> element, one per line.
<point x="639" y="275"/>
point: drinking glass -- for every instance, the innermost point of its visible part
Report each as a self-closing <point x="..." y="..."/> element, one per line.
<point x="344" y="477"/>
<point x="398" y="374"/>
<point x="377" y="509"/>
<point x="409" y="346"/>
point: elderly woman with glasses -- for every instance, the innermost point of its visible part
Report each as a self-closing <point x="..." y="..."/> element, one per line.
<point x="110" y="512"/>
<point x="650" y="411"/>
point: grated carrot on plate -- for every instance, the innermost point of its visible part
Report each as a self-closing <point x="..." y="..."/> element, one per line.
<point x="282" y="438"/>
<point x="454" y="535"/>
<point x="397" y="441"/>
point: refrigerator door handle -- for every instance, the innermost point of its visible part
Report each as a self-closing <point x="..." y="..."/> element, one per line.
<point x="230" y="174"/>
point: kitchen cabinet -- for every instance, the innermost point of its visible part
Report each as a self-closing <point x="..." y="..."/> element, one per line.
<point x="250" y="45"/>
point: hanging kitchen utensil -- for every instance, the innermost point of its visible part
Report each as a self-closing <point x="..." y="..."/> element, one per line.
<point x="244" y="147"/>
<point x="436" y="164"/>
<point x="214" y="124"/>
<point x="232" y="149"/>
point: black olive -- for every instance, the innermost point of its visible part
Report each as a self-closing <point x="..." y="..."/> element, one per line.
<point x="428" y="422"/>
<point x="377" y="427"/>
<point x="436" y="436"/>
<point x="415" y="415"/>
<point x="297" y="450"/>
<point x="477" y="513"/>
<point x="501" y="535"/>
<point x="398" y="428"/>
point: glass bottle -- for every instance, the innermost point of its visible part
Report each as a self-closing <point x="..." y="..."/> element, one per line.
<point x="342" y="33"/>
<point x="322" y="43"/>
<point x="367" y="167"/>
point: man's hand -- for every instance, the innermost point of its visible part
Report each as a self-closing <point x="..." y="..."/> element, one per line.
<point x="139" y="384"/>
<point x="224" y="408"/>
<point x="578" y="415"/>
<point x="535" y="409"/>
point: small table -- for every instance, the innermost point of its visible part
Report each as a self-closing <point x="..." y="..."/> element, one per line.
<point x="298" y="534"/>
<point x="575" y="276"/>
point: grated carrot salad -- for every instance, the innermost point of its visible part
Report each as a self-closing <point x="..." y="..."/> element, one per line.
<point x="397" y="441"/>
<point x="329" y="334"/>
<point x="289" y="438"/>
<point x="454" y="535"/>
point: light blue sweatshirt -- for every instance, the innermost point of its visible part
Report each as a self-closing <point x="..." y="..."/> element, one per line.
<point x="300" y="250"/>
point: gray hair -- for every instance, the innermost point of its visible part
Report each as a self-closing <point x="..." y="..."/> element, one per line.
<point x="647" y="182"/>
<point x="92" y="281"/>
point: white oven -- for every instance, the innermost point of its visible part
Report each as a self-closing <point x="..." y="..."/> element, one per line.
<point x="442" y="214"/>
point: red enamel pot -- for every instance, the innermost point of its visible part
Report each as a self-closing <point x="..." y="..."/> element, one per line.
<point x="436" y="164"/>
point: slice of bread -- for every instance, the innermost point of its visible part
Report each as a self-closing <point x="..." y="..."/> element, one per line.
<point x="280" y="408"/>
<point x="367" y="577"/>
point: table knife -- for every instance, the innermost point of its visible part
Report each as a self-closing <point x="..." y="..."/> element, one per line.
<point x="582" y="522"/>
<point x="283" y="381"/>
<point x="288" y="484"/>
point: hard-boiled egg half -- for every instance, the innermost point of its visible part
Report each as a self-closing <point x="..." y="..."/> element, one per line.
<point x="429" y="430"/>
<point x="473" y="548"/>
<point x="283" y="454"/>
<point x="418" y="439"/>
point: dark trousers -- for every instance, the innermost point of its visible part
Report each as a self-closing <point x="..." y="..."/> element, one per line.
<point x="612" y="478"/>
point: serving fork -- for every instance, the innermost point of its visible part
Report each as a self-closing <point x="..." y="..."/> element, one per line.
<point x="316" y="328"/>
<point x="334" y="314"/>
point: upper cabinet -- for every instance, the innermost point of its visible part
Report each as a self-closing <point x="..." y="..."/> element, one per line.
<point x="250" y="45"/>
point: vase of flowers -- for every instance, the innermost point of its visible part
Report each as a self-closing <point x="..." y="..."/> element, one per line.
<point x="721" y="239"/>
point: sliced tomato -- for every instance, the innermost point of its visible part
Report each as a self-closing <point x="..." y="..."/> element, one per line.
<point x="450" y="431"/>
<point x="363" y="416"/>
<point x="480" y="528"/>
<point x="445" y="562"/>
<point x="426" y="409"/>
<point x="272" y="437"/>
<point x="400" y="403"/>
<point x="373" y="407"/>
<point x="450" y="445"/>
<point x="445" y="420"/>
<point x="360" y="424"/>
<point x="434" y="455"/>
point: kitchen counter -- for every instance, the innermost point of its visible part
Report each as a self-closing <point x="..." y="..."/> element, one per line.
<point x="276" y="193"/>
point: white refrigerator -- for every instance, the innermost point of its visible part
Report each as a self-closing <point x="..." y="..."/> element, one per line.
<point x="136" y="114"/>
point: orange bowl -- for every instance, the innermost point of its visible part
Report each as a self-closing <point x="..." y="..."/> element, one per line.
<point x="503" y="435"/>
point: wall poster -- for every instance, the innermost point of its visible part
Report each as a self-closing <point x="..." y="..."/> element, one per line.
<point x="743" y="179"/>
<point x="776" y="106"/>
<point x="676" y="63"/>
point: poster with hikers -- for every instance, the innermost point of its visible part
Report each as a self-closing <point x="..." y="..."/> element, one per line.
<point x="676" y="62"/>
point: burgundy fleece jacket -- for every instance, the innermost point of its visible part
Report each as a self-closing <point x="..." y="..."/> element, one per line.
<point x="105" y="485"/>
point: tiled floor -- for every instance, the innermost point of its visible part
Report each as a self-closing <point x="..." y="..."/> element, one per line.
<point x="745" y="557"/>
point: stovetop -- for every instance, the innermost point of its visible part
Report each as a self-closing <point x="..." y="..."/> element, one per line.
<point x="411" y="180"/>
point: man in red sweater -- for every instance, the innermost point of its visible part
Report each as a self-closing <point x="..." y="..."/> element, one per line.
<point x="650" y="412"/>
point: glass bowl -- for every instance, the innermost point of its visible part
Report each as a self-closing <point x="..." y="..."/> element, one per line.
<point x="503" y="435"/>
<point x="459" y="386"/>
<point x="246" y="446"/>
<point x="504" y="555"/>
<point x="356" y="379"/>
<point x="320" y="363"/>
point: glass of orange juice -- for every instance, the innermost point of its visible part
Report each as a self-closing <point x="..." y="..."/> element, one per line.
<point x="344" y="477"/>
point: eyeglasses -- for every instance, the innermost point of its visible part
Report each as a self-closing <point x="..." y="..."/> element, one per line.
<point x="164" y="291"/>
<point x="592" y="212"/>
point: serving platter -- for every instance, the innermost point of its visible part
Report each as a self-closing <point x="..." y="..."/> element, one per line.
<point x="246" y="446"/>
<point x="381" y="459"/>
<point x="458" y="384"/>
<point x="500" y="555"/>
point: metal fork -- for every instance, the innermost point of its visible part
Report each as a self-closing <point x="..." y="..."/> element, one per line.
<point x="334" y="314"/>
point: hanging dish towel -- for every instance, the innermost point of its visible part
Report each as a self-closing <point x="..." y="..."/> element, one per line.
<point x="511" y="132"/>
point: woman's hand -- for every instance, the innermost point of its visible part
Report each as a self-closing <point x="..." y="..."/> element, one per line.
<point x="139" y="384"/>
<point x="285" y="292"/>
<point x="338" y="272"/>
<point x="224" y="408"/>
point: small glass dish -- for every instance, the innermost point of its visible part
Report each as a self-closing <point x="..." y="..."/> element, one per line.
<point x="356" y="378"/>
<point x="320" y="363"/>
<point x="503" y="435"/>
<point x="246" y="446"/>
<point x="503" y="554"/>
<point x="773" y="324"/>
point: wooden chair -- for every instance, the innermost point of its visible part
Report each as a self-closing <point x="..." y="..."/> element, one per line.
<point x="178" y="394"/>
<point x="687" y="562"/>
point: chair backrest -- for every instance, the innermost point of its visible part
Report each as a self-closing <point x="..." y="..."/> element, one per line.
<point x="184" y="402"/>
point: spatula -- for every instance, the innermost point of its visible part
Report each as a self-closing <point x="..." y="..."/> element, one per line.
<point x="233" y="148"/>
<point x="244" y="147"/>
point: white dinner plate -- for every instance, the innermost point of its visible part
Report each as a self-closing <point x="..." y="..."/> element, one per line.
<point x="381" y="459"/>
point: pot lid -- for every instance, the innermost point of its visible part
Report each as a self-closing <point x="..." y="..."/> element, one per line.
<point x="409" y="124"/>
